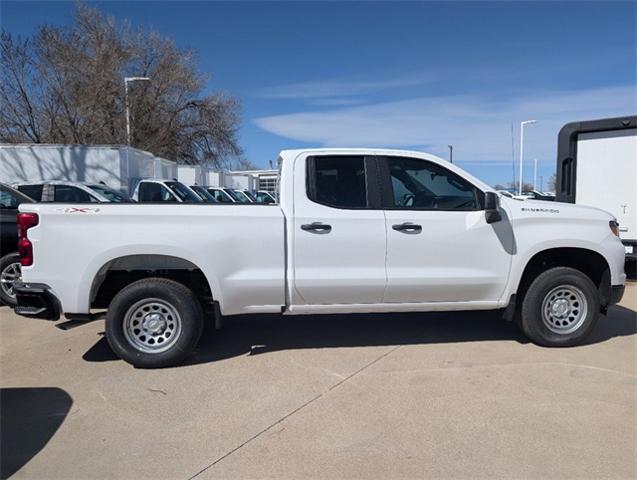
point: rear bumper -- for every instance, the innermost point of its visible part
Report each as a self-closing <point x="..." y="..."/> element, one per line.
<point x="616" y="294"/>
<point x="35" y="300"/>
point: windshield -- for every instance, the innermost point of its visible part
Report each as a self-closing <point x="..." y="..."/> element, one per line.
<point x="110" y="194"/>
<point x="250" y="195"/>
<point x="183" y="192"/>
<point x="204" y="194"/>
<point x="235" y="196"/>
<point x="243" y="198"/>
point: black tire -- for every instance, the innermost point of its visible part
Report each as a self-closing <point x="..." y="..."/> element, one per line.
<point x="7" y="263"/>
<point x="185" y="307"/>
<point x="584" y="310"/>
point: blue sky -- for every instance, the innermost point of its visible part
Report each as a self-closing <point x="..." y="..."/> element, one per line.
<point x="408" y="75"/>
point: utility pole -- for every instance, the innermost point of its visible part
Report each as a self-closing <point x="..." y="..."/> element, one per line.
<point x="450" y="153"/>
<point x="126" y="80"/>
<point x="522" y="124"/>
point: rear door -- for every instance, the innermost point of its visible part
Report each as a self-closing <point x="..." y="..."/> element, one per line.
<point x="439" y="246"/>
<point x="339" y="231"/>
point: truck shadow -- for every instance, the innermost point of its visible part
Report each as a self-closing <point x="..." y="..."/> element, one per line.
<point x="29" y="417"/>
<point x="257" y="334"/>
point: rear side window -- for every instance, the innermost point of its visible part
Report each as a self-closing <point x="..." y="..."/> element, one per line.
<point x="154" y="192"/>
<point x="33" y="191"/>
<point x="337" y="181"/>
<point x="69" y="194"/>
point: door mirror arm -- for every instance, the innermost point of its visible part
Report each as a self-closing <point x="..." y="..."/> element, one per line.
<point x="491" y="207"/>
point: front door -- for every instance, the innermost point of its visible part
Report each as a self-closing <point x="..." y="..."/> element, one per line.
<point x="339" y="232"/>
<point x="439" y="246"/>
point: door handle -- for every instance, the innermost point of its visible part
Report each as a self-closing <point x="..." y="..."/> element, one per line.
<point x="317" y="227"/>
<point x="407" y="227"/>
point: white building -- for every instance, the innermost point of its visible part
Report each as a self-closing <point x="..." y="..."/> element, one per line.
<point x="118" y="166"/>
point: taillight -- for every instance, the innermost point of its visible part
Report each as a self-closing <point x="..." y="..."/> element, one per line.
<point x="614" y="227"/>
<point x="25" y="247"/>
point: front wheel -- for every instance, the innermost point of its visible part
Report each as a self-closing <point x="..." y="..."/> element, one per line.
<point x="560" y="308"/>
<point x="154" y="323"/>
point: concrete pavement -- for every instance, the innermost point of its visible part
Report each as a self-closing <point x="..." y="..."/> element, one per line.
<point x="459" y="395"/>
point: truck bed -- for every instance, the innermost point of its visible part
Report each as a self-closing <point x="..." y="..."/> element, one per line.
<point x="245" y="262"/>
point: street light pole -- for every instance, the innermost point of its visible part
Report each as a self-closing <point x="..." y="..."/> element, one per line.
<point x="535" y="174"/>
<point x="522" y="124"/>
<point x="450" y="153"/>
<point x="126" y="80"/>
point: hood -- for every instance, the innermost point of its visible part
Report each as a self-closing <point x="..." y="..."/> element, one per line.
<point x="546" y="209"/>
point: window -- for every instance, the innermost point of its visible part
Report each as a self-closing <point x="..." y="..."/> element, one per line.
<point x="154" y="192"/>
<point x="337" y="181"/>
<point x="33" y="191"/>
<point x="183" y="192"/>
<point x="233" y="195"/>
<point x="8" y="201"/>
<point x="109" y="194"/>
<point x="423" y="185"/>
<point x="264" y="197"/>
<point x="220" y="195"/>
<point x="203" y="194"/>
<point x="70" y="194"/>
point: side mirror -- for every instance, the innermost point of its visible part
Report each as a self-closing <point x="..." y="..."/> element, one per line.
<point x="491" y="205"/>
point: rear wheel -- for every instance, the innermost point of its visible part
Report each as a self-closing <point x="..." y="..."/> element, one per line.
<point x="154" y="323"/>
<point x="10" y="271"/>
<point x="560" y="308"/>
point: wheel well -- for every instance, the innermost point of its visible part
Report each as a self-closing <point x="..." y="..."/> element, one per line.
<point x="121" y="272"/>
<point x="591" y="263"/>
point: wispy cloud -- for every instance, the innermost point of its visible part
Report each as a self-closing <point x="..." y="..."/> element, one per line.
<point x="479" y="126"/>
<point x="333" y="89"/>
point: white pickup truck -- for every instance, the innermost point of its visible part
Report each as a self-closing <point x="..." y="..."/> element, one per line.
<point x="357" y="230"/>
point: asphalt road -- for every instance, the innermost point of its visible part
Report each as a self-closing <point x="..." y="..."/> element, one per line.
<point x="459" y="395"/>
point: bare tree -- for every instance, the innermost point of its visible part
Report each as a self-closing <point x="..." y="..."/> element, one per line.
<point x="65" y="85"/>
<point x="550" y="184"/>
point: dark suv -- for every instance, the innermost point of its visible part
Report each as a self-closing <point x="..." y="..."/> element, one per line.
<point x="10" y="199"/>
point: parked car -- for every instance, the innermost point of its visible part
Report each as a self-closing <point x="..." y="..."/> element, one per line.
<point x="10" y="200"/>
<point x="60" y="191"/>
<point x="204" y="194"/>
<point x="536" y="195"/>
<point x="357" y="230"/>
<point x="157" y="190"/>
<point x="220" y="195"/>
<point x="264" y="196"/>
<point x="506" y="193"/>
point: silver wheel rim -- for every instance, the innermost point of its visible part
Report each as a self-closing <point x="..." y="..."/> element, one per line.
<point x="8" y="277"/>
<point x="564" y="309"/>
<point x="152" y="325"/>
